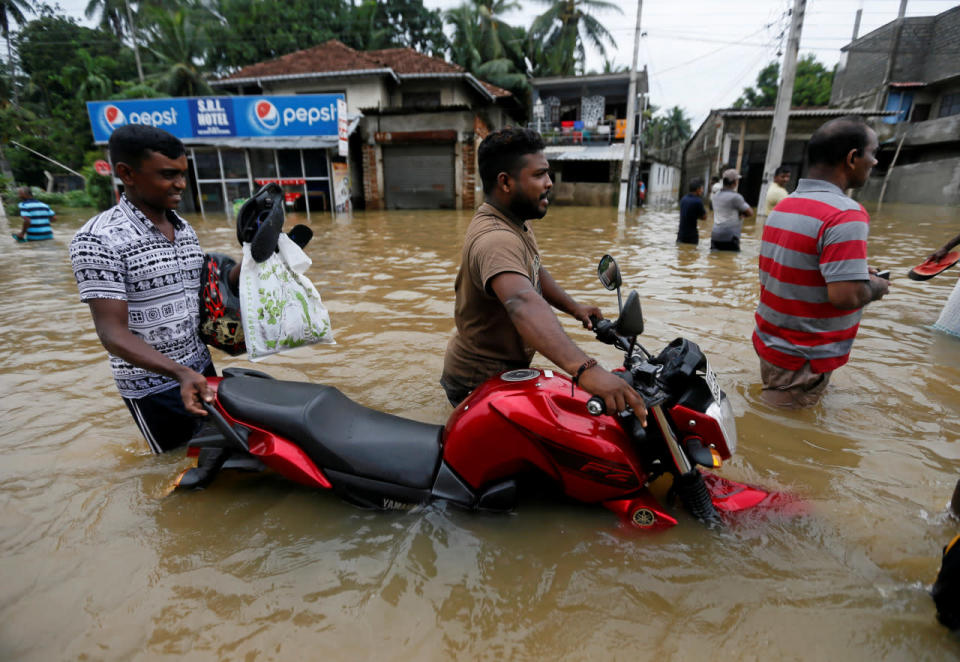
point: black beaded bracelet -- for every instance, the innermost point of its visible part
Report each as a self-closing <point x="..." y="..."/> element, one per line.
<point x="589" y="363"/>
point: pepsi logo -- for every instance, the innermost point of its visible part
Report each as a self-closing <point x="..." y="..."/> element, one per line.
<point x="266" y="114"/>
<point x="114" y="116"/>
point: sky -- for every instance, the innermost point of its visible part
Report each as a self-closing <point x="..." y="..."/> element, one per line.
<point x="700" y="54"/>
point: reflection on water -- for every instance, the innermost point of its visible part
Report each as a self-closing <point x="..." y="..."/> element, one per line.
<point x="97" y="564"/>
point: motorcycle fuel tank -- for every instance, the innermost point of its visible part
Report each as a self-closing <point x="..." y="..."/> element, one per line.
<point x="531" y="419"/>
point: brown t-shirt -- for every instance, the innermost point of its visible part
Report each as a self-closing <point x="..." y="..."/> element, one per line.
<point x="486" y="342"/>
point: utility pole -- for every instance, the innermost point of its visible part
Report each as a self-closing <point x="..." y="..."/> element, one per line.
<point x="631" y="118"/>
<point x="781" y="111"/>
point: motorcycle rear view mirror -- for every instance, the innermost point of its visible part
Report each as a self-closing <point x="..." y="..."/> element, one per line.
<point x="609" y="274"/>
<point x="630" y="322"/>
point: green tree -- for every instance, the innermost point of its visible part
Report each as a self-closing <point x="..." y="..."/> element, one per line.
<point x="487" y="46"/>
<point x="12" y="11"/>
<point x="668" y="129"/>
<point x="565" y="29"/>
<point x="412" y="25"/>
<point x="112" y="13"/>
<point x="65" y="64"/>
<point x="811" y="85"/>
<point x="250" y="31"/>
<point x="180" y="46"/>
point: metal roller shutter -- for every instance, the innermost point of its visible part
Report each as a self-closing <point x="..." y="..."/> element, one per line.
<point x="419" y="176"/>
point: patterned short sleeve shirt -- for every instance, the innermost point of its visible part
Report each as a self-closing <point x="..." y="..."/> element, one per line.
<point x="121" y="255"/>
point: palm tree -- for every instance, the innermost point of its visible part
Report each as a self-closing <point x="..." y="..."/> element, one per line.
<point x="87" y="78"/>
<point x="112" y="15"/>
<point x="485" y="45"/>
<point x="12" y="11"/>
<point x="567" y="26"/>
<point x="181" y="47"/>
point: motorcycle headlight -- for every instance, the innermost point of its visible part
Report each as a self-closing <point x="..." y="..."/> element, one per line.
<point x="722" y="413"/>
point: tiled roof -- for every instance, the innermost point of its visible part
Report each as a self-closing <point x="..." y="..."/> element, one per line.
<point x="334" y="56"/>
<point x="408" y="61"/>
<point x="329" y="56"/>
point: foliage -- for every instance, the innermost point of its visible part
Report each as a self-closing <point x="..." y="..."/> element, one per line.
<point x="180" y="45"/>
<point x="811" y="86"/>
<point x="488" y="47"/>
<point x="563" y="32"/>
<point x="99" y="189"/>
<point x="70" y="199"/>
<point x="250" y="31"/>
<point x="667" y="130"/>
<point x="408" y="22"/>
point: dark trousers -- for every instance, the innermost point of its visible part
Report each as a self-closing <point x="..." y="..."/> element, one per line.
<point x="162" y="418"/>
<point x="732" y="244"/>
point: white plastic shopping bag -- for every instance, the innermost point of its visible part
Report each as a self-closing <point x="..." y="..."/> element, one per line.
<point x="281" y="309"/>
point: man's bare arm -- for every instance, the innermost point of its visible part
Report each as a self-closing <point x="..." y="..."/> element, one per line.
<point x="110" y="320"/>
<point x="536" y="323"/>
<point x="853" y="294"/>
<point x="557" y="297"/>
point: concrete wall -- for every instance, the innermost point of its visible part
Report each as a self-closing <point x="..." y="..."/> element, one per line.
<point x="663" y="184"/>
<point x="586" y="194"/>
<point x="929" y="182"/>
<point x="361" y="92"/>
<point x="942" y="60"/>
<point x="926" y="52"/>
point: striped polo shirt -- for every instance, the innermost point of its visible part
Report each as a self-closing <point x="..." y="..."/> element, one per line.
<point x="815" y="236"/>
<point x="39" y="214"/>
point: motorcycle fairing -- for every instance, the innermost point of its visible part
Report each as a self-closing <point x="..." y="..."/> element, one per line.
<point x="540" y="425"/>
<point x="336" y="433"/>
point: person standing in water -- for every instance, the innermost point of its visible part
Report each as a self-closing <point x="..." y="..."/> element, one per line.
<point x="814" y="278"/>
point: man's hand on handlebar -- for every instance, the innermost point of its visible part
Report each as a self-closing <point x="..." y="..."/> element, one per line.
<point x="194" y="390"/>
<point x="584" y="312"/>
<point x="617" y="394"/>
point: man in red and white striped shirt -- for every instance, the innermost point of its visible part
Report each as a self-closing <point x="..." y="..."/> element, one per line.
<point x="814" y="278"/>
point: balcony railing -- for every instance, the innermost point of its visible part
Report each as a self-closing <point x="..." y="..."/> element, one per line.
<point x="578" y="133"/>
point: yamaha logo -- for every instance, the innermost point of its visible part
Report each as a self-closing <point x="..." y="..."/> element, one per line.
<point x="113" y="116"/>
<point x="644" y="517"/>
<point x="266" y="115"/>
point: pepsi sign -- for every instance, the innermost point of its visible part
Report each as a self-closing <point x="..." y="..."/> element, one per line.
<point x="298" y="115"/>
<point x="168" y="114"/>
<point x="209" y="117"/>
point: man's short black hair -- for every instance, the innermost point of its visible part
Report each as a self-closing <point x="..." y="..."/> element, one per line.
<point x="503" y="151"/>
<point x="130" y="143"/>
<point x="782" y="170"/>
<point x="830" y="144"/>
<point x="694" y="184"/>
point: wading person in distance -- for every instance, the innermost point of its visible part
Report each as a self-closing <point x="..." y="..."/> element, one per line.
<point x="691" y="211"/>
<point x="729" y="210"/>
<point x="814" y="278"/>
<point x="777" y="191"/>
<point x="503" y="293"/>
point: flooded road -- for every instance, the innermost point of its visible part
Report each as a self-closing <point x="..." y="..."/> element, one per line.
<point x="97" y="564"/>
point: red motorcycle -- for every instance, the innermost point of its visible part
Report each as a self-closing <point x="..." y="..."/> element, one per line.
<point x="517" y="425"/>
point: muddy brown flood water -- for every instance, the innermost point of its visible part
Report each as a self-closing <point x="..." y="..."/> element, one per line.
<point x="97" y="564"/>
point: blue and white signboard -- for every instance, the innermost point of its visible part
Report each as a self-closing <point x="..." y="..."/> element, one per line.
<point x="215" y="117"/>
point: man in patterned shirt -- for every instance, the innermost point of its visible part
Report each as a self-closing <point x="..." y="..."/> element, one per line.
<point x="814" y="279"/>
<point x="138" y="267"/>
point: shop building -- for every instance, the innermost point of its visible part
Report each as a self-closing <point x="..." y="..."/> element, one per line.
<point x="909" y="68"/>
<point x="237" y="144"/>
<point x="414" y="121"/>
<point x="738" y="138"/>
<point x="583" y="120"/>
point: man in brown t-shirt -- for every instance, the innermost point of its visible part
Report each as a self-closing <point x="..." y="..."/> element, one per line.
<point x="503" y="292"/>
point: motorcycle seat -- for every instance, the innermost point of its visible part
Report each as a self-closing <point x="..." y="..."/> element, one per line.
<point x="336" y="432"/>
